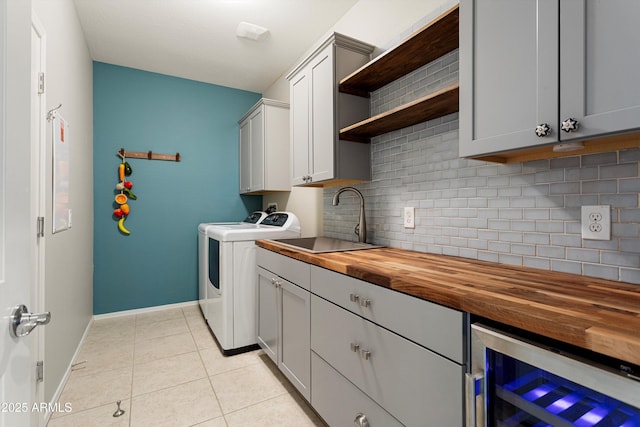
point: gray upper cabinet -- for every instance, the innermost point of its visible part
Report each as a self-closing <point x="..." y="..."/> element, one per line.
<point x="318" y="111"/>
<point x="528" y="66"/>
<point x="600" y="64"/>
<point x="264" y="148"/>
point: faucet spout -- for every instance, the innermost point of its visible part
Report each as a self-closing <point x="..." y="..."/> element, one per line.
<point x="361" y="228"/>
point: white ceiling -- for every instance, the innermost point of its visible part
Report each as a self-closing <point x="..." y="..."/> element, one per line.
<point x="196" y="39"/>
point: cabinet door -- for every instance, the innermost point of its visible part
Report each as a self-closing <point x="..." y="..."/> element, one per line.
<point x="299" y="116"/>
<point x="267" y="318"/>
<point x="339" y="402"/>
<point x="245" y="157"/>
<point x="599" y="66"/>
<point x="407" y="380"/>
<point x="508" y="74"/>
<point x="257" y="150"/>
<point x="295" y="350"/>
<point x="323" y="133"/>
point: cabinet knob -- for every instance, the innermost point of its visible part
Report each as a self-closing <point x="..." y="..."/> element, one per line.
<point x="543" y="129"/>
<point x="354" y="297"/>
<point x="365" y="302"/>
<point x="570" y="125"/>
<point x="365" y="354"/>
<point x="355" y="347"/>
<point x="361" y="420"/>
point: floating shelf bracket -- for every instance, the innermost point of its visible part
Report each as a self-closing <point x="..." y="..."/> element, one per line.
<point x="149" y="155"/>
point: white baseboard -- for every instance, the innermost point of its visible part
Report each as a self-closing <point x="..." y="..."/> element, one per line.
<point x="144" y="310"/>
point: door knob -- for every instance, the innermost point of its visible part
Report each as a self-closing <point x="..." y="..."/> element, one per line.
<point x="543" y="129"/>
<point x="570" y="125"/>
<point x="23" y="322"/>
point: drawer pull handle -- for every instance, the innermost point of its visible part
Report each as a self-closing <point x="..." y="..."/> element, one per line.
<point x="355" y="347"/>
<point x="366" y="354"/>
<point x="361" y="420"/>
<point x="366" y="302"/>
<point x="354" y="297"/>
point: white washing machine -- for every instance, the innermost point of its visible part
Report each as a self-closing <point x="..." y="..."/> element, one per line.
<point x="227" y="287"/>
<point x="203" y="269"/>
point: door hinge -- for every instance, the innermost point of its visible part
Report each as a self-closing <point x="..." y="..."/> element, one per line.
<point x="40" y="83"/>
<point x="40" y="231"/>
<point x="39" y="371"/>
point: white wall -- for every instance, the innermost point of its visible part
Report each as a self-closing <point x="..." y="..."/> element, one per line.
<point x="68" y="254"/>
<point x="379" y="22"/>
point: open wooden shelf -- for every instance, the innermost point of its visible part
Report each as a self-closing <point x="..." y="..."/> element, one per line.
<point x="434" y="105"/>
<point x="430" y="42"/>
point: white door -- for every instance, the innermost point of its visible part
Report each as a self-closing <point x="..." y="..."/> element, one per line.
<point x="38" y="168"/>
<point x="17" y="224"/>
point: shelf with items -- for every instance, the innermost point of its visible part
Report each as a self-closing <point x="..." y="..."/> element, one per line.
<point x="433" y="40"/>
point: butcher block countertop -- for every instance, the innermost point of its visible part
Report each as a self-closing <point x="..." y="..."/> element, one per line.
<point x="596" y="314"/>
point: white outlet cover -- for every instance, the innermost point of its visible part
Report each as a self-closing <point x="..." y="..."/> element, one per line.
<point x="596" y="222"/>
<point x="409" y="217"/>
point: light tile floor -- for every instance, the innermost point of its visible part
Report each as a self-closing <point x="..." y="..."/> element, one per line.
<point x="167" y="370"/>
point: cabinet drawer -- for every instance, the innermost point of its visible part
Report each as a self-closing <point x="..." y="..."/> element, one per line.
<point x="288" y="268"/>
<point x="438" y="328"/>
<point x="410" y="382"/>
<point x="339" y="402"/>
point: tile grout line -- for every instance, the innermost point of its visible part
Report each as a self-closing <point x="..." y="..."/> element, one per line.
<point x="198" y="349"/>
<point x="133" y="363"/>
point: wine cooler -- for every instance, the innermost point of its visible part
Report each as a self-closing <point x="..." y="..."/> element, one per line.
<point x="515" y="381"/>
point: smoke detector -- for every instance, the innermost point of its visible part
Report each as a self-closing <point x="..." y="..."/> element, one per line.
<point x="252" y="31"/>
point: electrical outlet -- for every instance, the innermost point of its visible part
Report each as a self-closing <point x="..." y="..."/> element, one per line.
<point x="596" y="222"/>
<point x="409" y="217"/>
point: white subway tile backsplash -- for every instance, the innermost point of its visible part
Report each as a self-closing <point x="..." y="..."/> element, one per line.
<point x="522" y="213"/>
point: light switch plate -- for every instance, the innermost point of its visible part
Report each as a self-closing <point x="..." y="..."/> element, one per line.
<point x="596" y="222"/>
<point x="409" y="217"/>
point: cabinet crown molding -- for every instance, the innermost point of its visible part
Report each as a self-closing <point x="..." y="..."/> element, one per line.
<point x="337" y="39"/>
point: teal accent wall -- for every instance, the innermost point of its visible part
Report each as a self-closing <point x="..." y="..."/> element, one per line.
<point x="157" y="263"/>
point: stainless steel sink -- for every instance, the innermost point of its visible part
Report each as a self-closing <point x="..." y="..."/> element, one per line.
<point x="318" y="245"/>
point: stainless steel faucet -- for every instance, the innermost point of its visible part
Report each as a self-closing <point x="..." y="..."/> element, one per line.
<point x="361" y="228"/>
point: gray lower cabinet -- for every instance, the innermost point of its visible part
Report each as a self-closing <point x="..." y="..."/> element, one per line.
<point x="414" y="384"/>
<point x="527" y="67"/>
<point x="340" y="402"/>
<point x="360" y="353"/>
<point x="284" y="317"/>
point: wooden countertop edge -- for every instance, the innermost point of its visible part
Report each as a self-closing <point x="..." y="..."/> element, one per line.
<point x="497" y="299"/>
